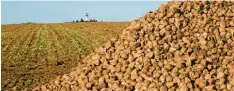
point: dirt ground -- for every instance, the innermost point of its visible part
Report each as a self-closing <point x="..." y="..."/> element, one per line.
<point x="35" y="53"/>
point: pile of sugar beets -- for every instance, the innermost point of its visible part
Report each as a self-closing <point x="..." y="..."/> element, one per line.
<point x="182" y="46"/>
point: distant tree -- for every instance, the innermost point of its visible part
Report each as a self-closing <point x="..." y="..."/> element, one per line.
<point x="77" y="20"/>
<point x="73" y="21"/>
<point x="92" y="20"/>
<point x="81" y="20"/>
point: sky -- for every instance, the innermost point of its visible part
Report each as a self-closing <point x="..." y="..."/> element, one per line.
<point x="14" y="12"/>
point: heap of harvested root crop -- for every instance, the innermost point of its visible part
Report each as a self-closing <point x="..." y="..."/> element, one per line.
<point x="181" y="46"/>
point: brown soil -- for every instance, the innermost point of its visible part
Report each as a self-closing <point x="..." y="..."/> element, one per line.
<point x="35" y="53"/>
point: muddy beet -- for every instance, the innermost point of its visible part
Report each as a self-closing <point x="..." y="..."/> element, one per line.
<point x="182" y="46"/>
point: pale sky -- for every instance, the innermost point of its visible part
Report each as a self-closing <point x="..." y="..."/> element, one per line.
<point x="64" y="11"/>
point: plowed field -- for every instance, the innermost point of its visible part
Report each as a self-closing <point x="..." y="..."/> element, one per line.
<point x="34" y="53"/>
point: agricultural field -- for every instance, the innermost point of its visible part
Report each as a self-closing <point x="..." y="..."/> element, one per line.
<point x="35" y="53"/>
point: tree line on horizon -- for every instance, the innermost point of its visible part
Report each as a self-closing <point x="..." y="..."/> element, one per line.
<point x="74" y="21"/>
<point x="82" y="20"/>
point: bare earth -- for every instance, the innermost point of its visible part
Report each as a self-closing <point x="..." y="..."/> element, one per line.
<point x="34" y="53"/>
